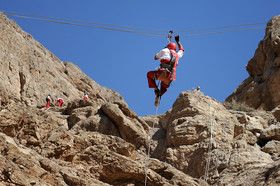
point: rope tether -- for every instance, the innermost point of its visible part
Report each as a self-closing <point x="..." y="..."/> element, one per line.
<point x="210" y="143"/>
<point x="47" y="109"/>
<point x="148" y="155"/>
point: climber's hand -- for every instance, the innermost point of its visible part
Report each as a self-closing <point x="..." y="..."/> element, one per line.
<point x="177" y="38"/>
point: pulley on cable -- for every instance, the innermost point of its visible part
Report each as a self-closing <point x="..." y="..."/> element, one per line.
<point x="169" y="36"/>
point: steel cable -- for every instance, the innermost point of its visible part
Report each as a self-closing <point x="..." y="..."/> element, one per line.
<point x="153" y="32"/>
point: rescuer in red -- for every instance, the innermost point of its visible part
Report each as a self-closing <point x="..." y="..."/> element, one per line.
<point x="60" y="102"/>
<point x="48" y="100"/>
<point x="166" y="73"/>
<point x="85" y="96"/>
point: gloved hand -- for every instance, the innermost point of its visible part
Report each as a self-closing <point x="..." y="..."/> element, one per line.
<point x="177" y="38"/>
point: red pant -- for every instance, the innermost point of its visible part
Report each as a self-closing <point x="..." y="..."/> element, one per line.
<point x="159" y="75"/>
<point x="48" y="104"/>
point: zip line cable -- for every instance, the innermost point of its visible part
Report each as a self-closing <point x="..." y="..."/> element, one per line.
<point x="151" y="33"/>
<point x="219" y="32"/>
<point x="81" y="21"/>
<point x="218" y="27"/>
<point x="92" y="26"/>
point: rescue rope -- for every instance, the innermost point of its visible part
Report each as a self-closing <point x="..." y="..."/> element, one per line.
<point x="218" y="27"/>
<point x="152" y="32"/>
<point x="148" y="154"/>
<point x="238" y="30"/>
<point x="92" y="26"/>
<point x="210" y="143"/>
<point x="81" y="21"/>
<point x="47" y="109"/>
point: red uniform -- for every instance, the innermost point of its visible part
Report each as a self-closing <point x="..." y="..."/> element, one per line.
<point x="166" y="73"/>
<point x="48" y="99"/>
<point x="85" y="96"/>
<point x="60" y="102"/>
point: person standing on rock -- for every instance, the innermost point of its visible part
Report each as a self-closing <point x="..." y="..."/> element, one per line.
<point x="60" y="102"/>
<point x="48" y="99"/>
<point x="85" y="96"/>
<point x="166" y="73"/>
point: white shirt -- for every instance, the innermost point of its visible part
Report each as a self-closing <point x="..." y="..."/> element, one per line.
<point x="165" y="54"/>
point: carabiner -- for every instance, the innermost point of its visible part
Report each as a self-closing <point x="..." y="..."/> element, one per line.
<point x="169" y="36"/>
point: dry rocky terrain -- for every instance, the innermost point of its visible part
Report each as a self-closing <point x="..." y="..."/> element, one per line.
<point x="200" y="141"/>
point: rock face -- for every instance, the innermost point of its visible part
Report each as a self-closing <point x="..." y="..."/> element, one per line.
<point x="102" y="142"/>
<point x="261" y="89"/>
<point x="29" y="72"/>
<point x="240" y="141"/>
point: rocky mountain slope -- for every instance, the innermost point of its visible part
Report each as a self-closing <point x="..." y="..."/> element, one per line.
<point x="261" y="89"/>
<point x="200" y="141"/>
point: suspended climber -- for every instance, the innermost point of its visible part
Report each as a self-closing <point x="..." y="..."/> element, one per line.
<point x="166" y="73"/>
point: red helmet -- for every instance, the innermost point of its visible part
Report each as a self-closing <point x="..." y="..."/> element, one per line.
<point x="172" y="46"/>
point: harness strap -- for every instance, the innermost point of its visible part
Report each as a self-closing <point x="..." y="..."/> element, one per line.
<point x="162" y="74"/>
<point x="170" y="65"/>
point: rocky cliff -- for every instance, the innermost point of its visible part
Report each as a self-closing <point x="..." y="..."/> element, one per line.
<point x="200" y="141"/>
<point x="261" y="89"/>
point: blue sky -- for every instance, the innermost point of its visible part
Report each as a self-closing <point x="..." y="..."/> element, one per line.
<point x="121" y="60"/>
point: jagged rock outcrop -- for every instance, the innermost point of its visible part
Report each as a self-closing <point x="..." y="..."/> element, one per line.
<point x="261" y="89"/>
<point x="102" y="142"/>
<point x="35" y="140"/>
<point x="242" y="141"/>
